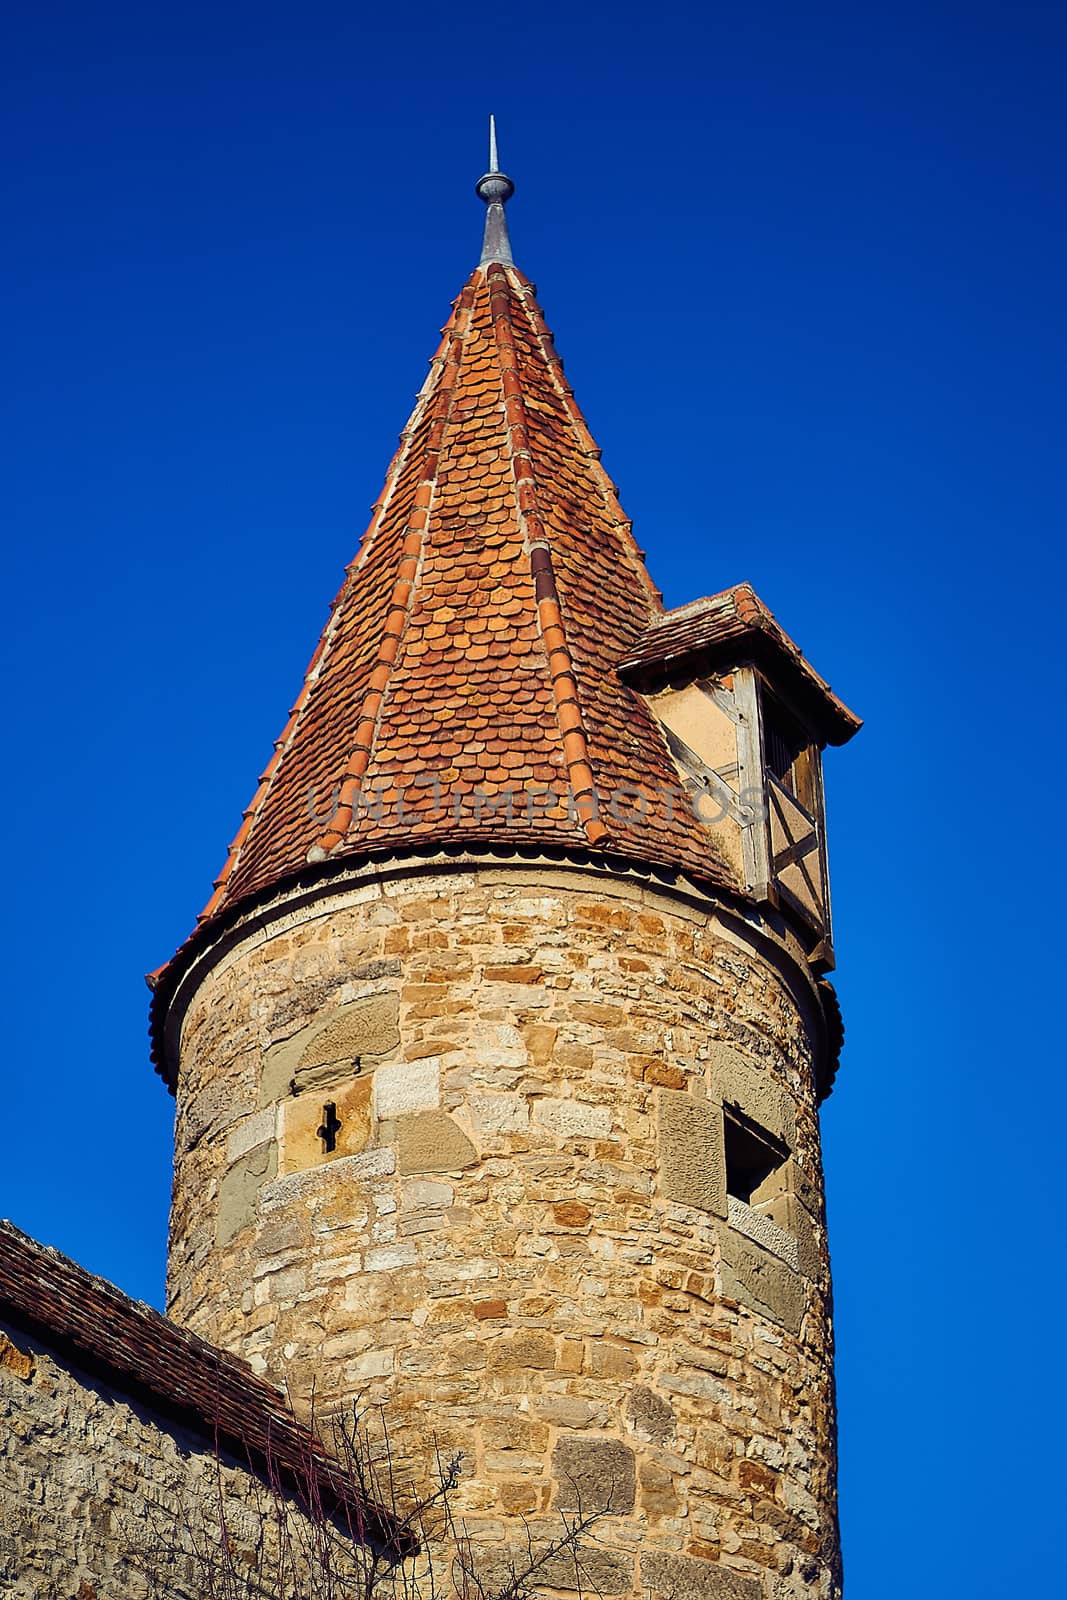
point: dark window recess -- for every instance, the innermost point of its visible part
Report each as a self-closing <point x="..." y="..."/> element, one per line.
<point x="330" y="1128"/>
<point x="752" y="1155"/>
<point x="783" y="745"/>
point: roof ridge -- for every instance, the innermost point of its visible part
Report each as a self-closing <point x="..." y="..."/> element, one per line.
<point x="587" y="444"/>
<point x="399" y="608"/>
<point x="546" y="594"/>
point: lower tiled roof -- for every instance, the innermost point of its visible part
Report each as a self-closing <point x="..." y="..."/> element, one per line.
<point x="150" y="1358"/>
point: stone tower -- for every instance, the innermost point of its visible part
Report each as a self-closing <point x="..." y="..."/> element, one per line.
<point x="499" y="1047"/>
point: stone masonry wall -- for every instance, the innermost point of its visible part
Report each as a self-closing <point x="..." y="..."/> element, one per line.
<point x="455" y="1141"/>
<point x="101" y="1497"/>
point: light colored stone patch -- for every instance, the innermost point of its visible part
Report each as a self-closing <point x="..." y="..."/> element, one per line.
<point x="373" y="1364"/>
<point x="407" y="1086"/>
<point x="501" y="1045"/>
<point x="295" y="1187"/>
<point x="300" y="1145"/>
<point x="573" y="1119"/>
<point x="692" y="1162"/>
<point x="389" y="1257"/>
<point x="665" y="1576"/>
<point x="760" y="1281"/>
<point x="431" y="1141"/>
<point x="450" y="1272"/>
<point x="239" y="1188"/>
<point x="365" y="1029"/>
<point x="254" y="1130"/>
<point x="285" y="1285"/>
<point x="422" y="1193"/>
<point x="498" y="1113"/>
<point x="754" y="1225"/>
<point x="736" y="1080"/>
<point x="594" y="1475"/>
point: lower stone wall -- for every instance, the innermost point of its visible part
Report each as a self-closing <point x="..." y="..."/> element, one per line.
<point x="104" y="1498"/>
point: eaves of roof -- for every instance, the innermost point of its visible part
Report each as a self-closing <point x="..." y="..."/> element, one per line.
<point x="722" y="629"/>
<point x="148" y="1357"/>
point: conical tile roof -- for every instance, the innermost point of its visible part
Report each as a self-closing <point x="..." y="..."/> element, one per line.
<point x="464" y="689"/>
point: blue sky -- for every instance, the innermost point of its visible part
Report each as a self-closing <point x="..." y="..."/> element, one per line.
<point x="805" y="267"/>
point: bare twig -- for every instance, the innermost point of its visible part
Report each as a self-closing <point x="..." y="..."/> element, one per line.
<point x="309" y="1537"/>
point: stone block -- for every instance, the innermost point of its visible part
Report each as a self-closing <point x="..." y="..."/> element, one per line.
<point x="758" y="1227"/>
<point x="598" y="1572"/>
<point x="432" y="1141"/>
<point x="365" y="1027"/>
<point x="513" y="1433"/>
<point x="501" y="1045"/>
<point x="12" y="1359"/>
<point x="611" y="1360"/>
<point x="760" y="1281"/>
<point x="594" y="1475"/>
<point x="809" y="1253"/>
<point x="692" y="1161"/>
<point x="326" y="1050"/>
<point x="250" y="1132"/>
<point x="389" y="1257"/>
<point x="403" y="1087"/>
<point x="528" y="1349"/>
<point x="419" y="1194"/>
<point x="213" y="1108"/>
<point x="568" y="1411"/>
<point x="499" y="1113"/>
<point x="238" y="1190"/>
<point x="739" y="1080"/>
<point x="665" y="1576"/>
<point x="540" y="1039"/>
<point x="300" y="1144"/>
<point x="571" y="1119"/>
<point x="329" y="1178"/>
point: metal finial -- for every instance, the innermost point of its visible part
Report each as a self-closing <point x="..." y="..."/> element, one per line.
<point x="495" y="188"/>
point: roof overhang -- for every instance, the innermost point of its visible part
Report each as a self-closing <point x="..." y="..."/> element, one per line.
<point x="255" y="915"/>
<point x="720" y="631"/>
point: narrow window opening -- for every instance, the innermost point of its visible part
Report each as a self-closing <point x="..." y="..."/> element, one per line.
<point x="753" y="1156"/>
<point x="785" y="750"/>
<point x="330" y="1128"/>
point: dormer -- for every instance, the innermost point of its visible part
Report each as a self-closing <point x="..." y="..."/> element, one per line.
<point x="746" y="719"/>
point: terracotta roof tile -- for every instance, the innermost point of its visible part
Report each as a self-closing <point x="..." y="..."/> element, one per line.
<point x="477" y="636"/>
<point x="499" y="561"/>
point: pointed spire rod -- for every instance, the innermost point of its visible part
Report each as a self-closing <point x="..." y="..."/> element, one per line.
<point x="495" y="188"/>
